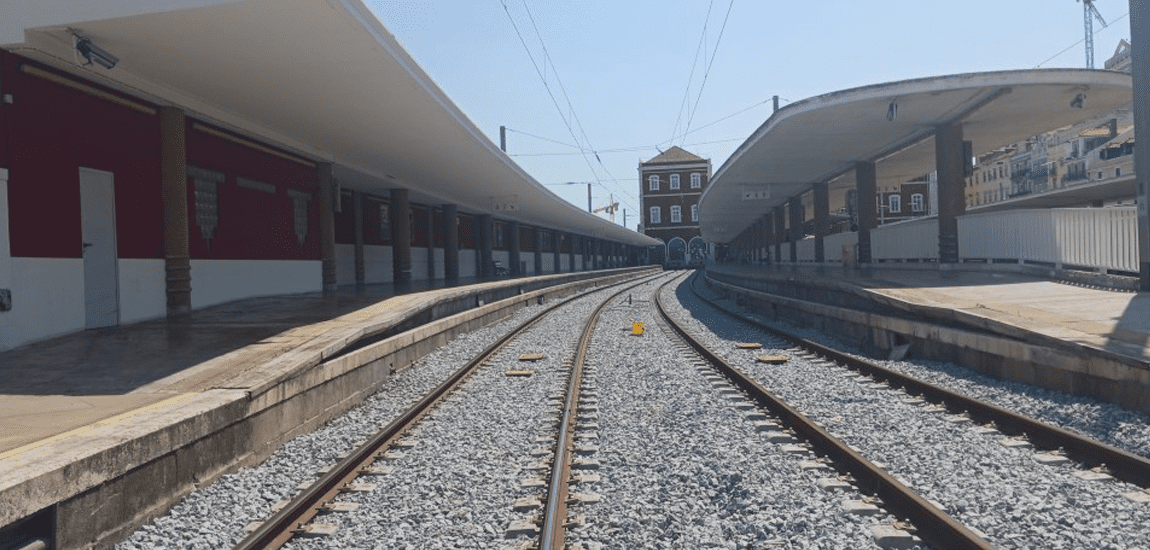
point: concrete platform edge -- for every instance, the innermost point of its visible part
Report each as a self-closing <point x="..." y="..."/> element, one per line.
<point x="1067" y="366"/>
<point x="109" y="481"/>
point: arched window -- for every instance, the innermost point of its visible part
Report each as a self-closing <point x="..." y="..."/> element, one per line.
<point x="674" y="181"/>
<point x="916" y="203"/>
<point x="654" y="182"/>
<point x="656" y="214"/>
<point x="696" y="181"/>
<point x="895" y="203"/>
<point x="676" y="214"/>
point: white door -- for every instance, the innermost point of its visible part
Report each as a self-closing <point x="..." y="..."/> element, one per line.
<point x="98" y="222"/>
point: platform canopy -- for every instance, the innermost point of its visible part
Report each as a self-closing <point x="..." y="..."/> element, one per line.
<point x="820" y="139"/>
<point x="322" y="78"/>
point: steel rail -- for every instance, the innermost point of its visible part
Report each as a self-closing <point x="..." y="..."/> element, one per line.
<point x="1122" y="464"/>
<point x="553" y="532"/>
<point x="283" y="525"/>
<point x="933" y="525"/>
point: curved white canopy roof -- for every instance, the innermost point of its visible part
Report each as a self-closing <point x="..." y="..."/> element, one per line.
<point x="321" y="77"/>
<point x="821" y="138"/>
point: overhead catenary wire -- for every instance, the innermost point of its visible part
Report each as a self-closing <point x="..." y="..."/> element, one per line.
<point x="573" y="116"/>
<point x="649" y="146"/>
<point x="691" y="77"/>
<point x="1080" y="41"/>
<point x="710" y="63"/>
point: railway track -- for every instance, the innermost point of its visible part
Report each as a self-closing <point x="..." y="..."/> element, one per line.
<point x="1025" y="500"/>
<point x="934" y="526"/>
<point x="297" y="516"/>
<point x="1091" y="453"/>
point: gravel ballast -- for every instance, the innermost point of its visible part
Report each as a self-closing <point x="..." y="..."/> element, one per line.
<point x="682" y="467"/>
<point x="1002" y="492"/>
<point x="214" y="516"/>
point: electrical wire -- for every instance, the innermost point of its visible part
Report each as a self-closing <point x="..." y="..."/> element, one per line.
<point x="691" y="77"/>
<point x="1095" y="33"/>
<point x="546" y="86"/>
<point x="710" y="63"/>
<point x="620" y="150"/>
<point x="571" y="107"/>
<point x="644" y="147"/>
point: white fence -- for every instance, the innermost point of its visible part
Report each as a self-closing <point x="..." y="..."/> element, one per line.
<point x="902" y="241"/>
<point x="1095" y="238"/>
<point x="805" y="250"/>
<point x="833" y="245"/>
<point x="1103" y="239"/>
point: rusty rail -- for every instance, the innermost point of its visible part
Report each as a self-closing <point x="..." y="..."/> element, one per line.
<point x="934" y="526"/>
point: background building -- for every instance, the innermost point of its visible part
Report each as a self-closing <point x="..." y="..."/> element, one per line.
<point x="670" y="186"/>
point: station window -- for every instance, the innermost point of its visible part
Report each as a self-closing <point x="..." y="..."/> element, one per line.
<point x="656" y="214"/>
<point x="676" y="214"/>
<point x="916" y="202"/>
<point x="696" y="181"/>
<point x="653" y="182"/>
<point x="674" y="181"/>
<point x="694" y="212"/>
<point x="895" y="202"/>
<point x="1117" y="172"/>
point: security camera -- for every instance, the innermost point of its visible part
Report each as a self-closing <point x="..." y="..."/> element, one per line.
<point x="95" y="54"/>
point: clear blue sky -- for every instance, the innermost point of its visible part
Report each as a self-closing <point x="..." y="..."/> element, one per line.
<point x="626" y="65"/>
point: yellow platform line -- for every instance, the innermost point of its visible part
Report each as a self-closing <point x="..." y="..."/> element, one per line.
<point x="100" y="424"/>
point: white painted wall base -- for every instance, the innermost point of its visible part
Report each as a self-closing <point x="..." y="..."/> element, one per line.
<point x="344" y="264"/>
<point x="467" y="267"/>
<point x="503" y="257"/>
<point x="377" y="263"/>
<point x="142" y="290"/>
<point x="528" y="263"/>
<point x="439" y="267"/>
<point x="418" y="264"/>
<point x="47" y="300"/>
<point x="219" y="281"/>
<point x="548" y="263"/>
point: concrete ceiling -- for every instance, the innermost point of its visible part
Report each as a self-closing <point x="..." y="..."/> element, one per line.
<point x="820" y="139"/>
<point x="321" y="77"/>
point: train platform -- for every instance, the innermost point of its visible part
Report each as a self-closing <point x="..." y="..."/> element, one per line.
<point x="1010" y="304"/>
<point x="129" y="418"/>
<point x="67" y="385"/>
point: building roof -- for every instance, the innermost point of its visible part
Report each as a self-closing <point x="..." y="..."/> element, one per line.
<point x="821" y="138"/>
<point x="675" y="155"/>
<point x="322" y="78"/>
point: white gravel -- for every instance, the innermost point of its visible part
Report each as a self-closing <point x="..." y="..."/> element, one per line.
<point x="457" y="486"/>
<point x="1002" y="492"/>
<point x="681" y="467"/>
<point x="1106" y="422"/>
<point x="214" y="517"/>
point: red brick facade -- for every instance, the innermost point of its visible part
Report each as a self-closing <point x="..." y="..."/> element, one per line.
<point x="681" y="179"/>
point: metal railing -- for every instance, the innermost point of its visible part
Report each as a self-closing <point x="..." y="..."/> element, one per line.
<point x="1103" y="239"/>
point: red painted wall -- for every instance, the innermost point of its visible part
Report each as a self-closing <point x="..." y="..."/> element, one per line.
<point x="420" y="218"/>
<point x="46" y="135"/>
<point x="252" y="224"/>
<point x="466" y="232"/>
<point x="440" y="235"/>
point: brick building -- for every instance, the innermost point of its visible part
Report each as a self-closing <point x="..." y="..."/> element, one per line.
<point x="670" y="186"/>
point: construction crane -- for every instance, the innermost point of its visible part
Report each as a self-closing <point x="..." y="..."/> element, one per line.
<point x="610" y="208"/>
<point x="1089" y="12"/>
